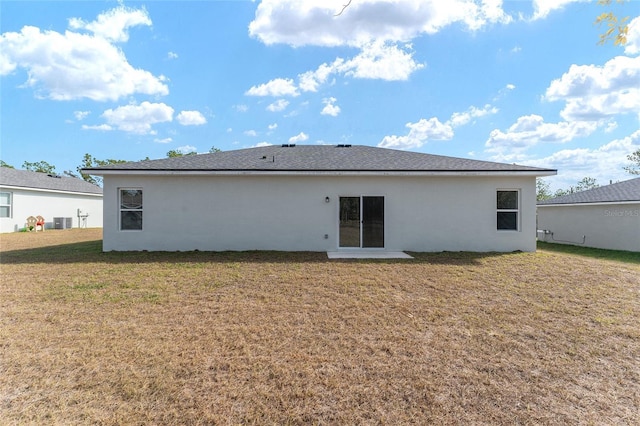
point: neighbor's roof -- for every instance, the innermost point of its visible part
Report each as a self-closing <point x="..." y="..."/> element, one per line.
<point x="629" y="190"/>
<point x="42" y="181"/>
<point x="317" y="158"/>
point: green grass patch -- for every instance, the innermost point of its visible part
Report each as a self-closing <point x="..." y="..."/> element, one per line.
<point x="595" y="253"/>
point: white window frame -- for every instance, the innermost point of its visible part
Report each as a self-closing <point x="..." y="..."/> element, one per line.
<point x="121" y="210"/>
<point x="516" y="210"/>
<point x="10" y="205"/>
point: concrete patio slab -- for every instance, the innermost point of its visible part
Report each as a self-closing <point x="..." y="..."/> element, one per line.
<point x="368" y="255"/>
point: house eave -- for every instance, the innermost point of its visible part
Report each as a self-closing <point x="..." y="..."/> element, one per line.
<point x="55" y="191"/>
<point x="444" y="173"/>
<point x="599" y="203"/>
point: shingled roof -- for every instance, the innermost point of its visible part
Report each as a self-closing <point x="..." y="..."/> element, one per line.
<point x="316" y="158"/>
<point x="34" y="180"/>
<point x="628" y="190"/>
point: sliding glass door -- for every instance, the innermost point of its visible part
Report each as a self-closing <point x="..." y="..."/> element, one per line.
<point x="362" y="222"/>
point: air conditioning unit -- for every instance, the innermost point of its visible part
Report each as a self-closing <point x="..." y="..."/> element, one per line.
<point x="62" y="222"/>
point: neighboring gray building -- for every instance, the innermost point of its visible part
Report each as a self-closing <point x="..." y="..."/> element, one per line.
<point x="24" y="193"/>
<point x="319" y="198"/>
<point x="606" y="217"/>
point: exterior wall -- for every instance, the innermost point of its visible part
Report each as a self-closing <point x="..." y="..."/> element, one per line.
<point x="607" y="226"/>
<point x="27" y="203"/>
<point x="248" y="212"/>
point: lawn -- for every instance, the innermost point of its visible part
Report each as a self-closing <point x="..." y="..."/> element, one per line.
<point x="87" y="337"/>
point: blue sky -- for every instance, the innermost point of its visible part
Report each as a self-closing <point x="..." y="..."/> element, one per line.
<point x="511" y="81"/>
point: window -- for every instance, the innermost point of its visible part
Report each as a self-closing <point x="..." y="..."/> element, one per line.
<point x="5" y="204"/>
<point x="508" y="210"/>
<point x="130" y="209"/>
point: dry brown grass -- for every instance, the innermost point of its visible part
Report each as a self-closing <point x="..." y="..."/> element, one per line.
<point x="292" y="338"/>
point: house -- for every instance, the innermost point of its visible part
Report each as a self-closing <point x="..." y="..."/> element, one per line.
<point x="606" y="217"/>
<point x="64" y="202"/>
<point x="319" y="198"/>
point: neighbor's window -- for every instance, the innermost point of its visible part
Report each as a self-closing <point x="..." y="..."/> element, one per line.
<point x="130" y="209"/>
<point x="5" y="204"/>
<point x="508" y="210"/>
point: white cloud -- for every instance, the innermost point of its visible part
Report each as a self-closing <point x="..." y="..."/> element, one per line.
<point x="113" y="25"/>
<point x="462" y="118"/>
<point x="301" y="137"/>
<point x="384" y="61"/>
<point x="310" y="80"/>
<point x="530" y="130"/>
<point x="419" y="134"/>
<point x="186" y="149"/>
<point x="426" y="129"/>
<point x="74" y="66"/>
<point x="138" y="119"/>
<point x="172" y="55"/>
<point x="633" y="37"/>
<point x="81" y="115"/>
<point x="312" y="22"/>
<point x="329" y="107"/>
<point x="611" y="126"/>
<point x="596" y="92"/>
<point x="278" y="105"/>
<point x="273" y="126"/>
<point x="261" y="144"/>
<point x="251" y="133"/>
<point x="504" y="91"/>
<point x="241" y="108"/>
<point x="101" y="127"/>
<point x="542" y="8"/>
<point x="276" y="87"/>
<point x="376" y="60"/>
<point x="604" y="163"/>
<point x="191" y="118"/>
<point x="381" y="29"/>
<point x="165" y="140"/>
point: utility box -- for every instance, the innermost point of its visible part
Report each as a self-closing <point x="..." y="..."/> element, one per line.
<point x="62" y="222"/>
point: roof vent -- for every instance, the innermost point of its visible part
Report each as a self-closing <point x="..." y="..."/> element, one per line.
<point x="288" y="145"/>
<point x="344" y="145"/>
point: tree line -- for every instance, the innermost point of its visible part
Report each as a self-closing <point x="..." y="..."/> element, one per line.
<point x="88" y="161"/>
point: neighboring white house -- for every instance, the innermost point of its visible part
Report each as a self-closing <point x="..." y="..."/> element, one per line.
<point x="64" y="202"/>
<point x="319" y="198"/>
<point x="606" y="217"/>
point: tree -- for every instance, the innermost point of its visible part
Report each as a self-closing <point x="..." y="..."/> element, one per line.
<point x="617" y="28"/>
<point x="174" y="153"/>
<point x="344" y="6"/>
<point x="40" y="166"/>
<point x="586" y="183"/>
<point x="542" y="190"/>
<point x="583" y="185"/>
<point x="214" y="150"/>
<point x="88" y="161"/>
<point x="8" y="166"/>
<point x="634" y="157"/>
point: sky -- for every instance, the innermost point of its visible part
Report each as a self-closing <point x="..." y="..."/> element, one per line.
<point x="510" y="81"/>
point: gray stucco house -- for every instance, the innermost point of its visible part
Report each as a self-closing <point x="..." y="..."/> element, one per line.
<point x="606" y="217"/>
<point x="319" y="198"/>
